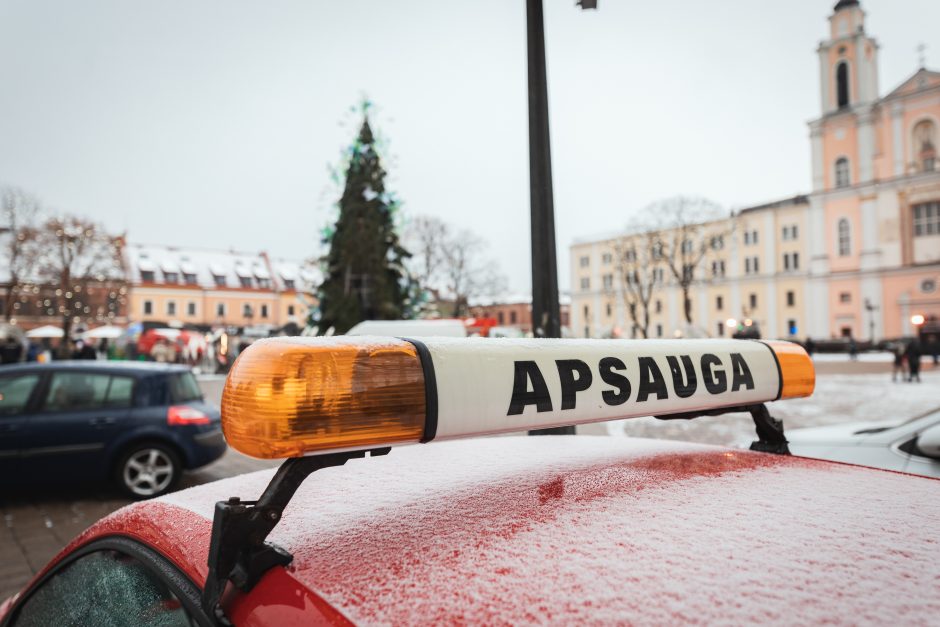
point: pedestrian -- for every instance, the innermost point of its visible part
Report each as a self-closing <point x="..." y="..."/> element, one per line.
<point x="913" y="360"/>
<point x="898" y="351"/>
<point x="810" y="346"/>
<point x="853" y="349"/>
<point x="84" y="350"/>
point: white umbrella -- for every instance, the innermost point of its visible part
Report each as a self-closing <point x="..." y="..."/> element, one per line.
<point x="46" y="331"/>
<point x="108" y="331"/>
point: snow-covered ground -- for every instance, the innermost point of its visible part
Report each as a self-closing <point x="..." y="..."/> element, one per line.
<point x="869" y="357"/>
<point x="838" y="398"/>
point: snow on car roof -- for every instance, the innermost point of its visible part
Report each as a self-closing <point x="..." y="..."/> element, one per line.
<point x="565" y="529"/>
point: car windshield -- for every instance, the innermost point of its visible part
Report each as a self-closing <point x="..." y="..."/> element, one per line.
<point x="183" y="388"/>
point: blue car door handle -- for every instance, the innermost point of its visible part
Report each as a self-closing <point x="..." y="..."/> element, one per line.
<point x="102" y="421"/>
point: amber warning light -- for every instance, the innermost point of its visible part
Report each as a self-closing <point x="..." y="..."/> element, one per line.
<point x="289" y="397"/>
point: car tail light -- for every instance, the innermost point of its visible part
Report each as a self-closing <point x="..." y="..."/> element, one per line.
<point x="185" y="415"/>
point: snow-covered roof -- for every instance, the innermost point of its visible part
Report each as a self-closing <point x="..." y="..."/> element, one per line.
<point x="206" y="265"/>
<point x="598" y="530"/>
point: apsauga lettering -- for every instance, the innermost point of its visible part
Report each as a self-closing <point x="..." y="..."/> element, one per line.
<point x="576" y="376"/>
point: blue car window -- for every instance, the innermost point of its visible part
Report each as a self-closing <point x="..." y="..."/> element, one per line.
<point x="119" y="393"/>
<point x="103" y="588"/>
<point x="15" y="393"/>
<point x="183" y="388"/>
<point x="76" y="391"/>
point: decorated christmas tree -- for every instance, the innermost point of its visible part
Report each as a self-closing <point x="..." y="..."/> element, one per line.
<point x="365" y="274"/>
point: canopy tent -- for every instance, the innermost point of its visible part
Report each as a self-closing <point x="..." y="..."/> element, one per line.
<point x="108" y="331"/>
<point x="44" y="332"/>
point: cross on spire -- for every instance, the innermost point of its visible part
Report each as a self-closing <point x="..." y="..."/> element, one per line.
<point x="922" y="55"/>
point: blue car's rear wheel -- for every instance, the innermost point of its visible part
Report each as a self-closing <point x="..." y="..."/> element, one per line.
<point x="148" y="469"/>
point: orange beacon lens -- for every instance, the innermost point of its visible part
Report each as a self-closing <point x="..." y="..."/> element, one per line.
<point x="287" y="397"/>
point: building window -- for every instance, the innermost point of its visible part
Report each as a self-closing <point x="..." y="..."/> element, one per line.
<point x="219" y="280"/>
<point x="791" y="261"/>
<point x="791" y="327"/>
<point x="747" y="237"/>
<point x="608" y="281"/>
<point x="718" y="242"/>
<point x="264" y="311"/>
<point x="659" y="306"/>
<point x="791" y="298"/>
<point x="721" y="329"/>
<point x="586" y="311"/>
<point x="659" y="330"/>
<point x="501" y="317"/>
<point x="288" y="284"/>
<point x="845" y="297"/>
<point x="845" y="238"/>
<point x="658" y="275"/>
<point x="842" y="85"/>
<point x="585" y="283"/>
<point x="264" y="284"/>
<point x="925" y="145"/>
<point x="191" y="308"/>
<point x="585" y="262"/>
<point x="246" y="311"/>
<point x="220" y="310"/>
<point x="927" y="219"/>
<point x="842" y="172"/>
<point x="244" y="281"/>
<point x="609" y="310"/>
<point x="146" y="276"/>
<point x="687" y="247"/>
<point x="751" y="265"/>
<point x="753" y="300"/>
<point x="607" y="258"/>
<point x="718" y="268"/>
<point x="290" y="310"/>
<point x="189" y="279"/>
<point x="512" y="317"/>
<point x="747" y="265"/>
<point x="719" y="303"/>
<point x="789" y="233"/>
<point x="171" y="277"/>
<point x="171" y="308"/>
<point x="148" y="307"/>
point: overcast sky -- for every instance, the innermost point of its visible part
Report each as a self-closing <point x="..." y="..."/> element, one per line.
<point x="213" y="123"/>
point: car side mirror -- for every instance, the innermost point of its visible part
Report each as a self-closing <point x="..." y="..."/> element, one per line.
<point x="928" y="442"/>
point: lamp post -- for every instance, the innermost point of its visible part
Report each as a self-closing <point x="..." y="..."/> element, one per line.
<point x="546" y="314"/>
<point x="871" y="309"/>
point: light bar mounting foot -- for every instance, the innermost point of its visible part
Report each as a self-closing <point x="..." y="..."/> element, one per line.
<point x="238" y="552"/>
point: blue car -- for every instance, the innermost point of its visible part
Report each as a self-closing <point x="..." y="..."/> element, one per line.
<point x="140" y="424"/>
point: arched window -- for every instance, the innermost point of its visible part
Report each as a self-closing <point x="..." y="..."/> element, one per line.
<point x="925" y="145"/>
<point x="845" y="238"/>
<point x="842" y="172"/>
<point x="842" y="84"/>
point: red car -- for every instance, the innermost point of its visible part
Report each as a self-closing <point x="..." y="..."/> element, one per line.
<point x="506" y="530"/>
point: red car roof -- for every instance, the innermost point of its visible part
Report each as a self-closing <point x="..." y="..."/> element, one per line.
<point x="566" y="529"/>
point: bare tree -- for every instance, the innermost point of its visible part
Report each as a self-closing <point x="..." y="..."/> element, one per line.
<point x="639" y="261"/>
<point x="687" y="227"/>
<point x="76" y="255"/>
<point x="451" y="264"/>
<point x="426" y="237"/>
<point x="468" y="274"/>
<point x="18" y="213"/>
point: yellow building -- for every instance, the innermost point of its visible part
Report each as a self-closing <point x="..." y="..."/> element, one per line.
<point x="204" y="289"/>
<point x="753" y="267"/>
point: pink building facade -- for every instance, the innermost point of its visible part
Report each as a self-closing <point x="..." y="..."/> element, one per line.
<point x="874" y="212"/>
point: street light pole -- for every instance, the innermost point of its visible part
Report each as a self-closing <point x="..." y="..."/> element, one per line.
<point x="546" y="315"/>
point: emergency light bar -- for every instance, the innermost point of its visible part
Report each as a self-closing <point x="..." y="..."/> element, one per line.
<point x="289" y="397"/>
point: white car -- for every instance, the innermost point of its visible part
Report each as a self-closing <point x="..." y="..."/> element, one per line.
<point x="912" y="446"/>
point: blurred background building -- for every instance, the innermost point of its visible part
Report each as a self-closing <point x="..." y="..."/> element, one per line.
<point x="859" y="256"/>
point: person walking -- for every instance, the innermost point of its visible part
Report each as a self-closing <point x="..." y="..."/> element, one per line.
<point x="913" y="361"/>
<point x="853" y="349"/>
<point x="898" y="351"/>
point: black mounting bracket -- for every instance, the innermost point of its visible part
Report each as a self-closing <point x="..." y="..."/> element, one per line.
<point x="770" y="435"/>
<point x="238" y="552"/>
